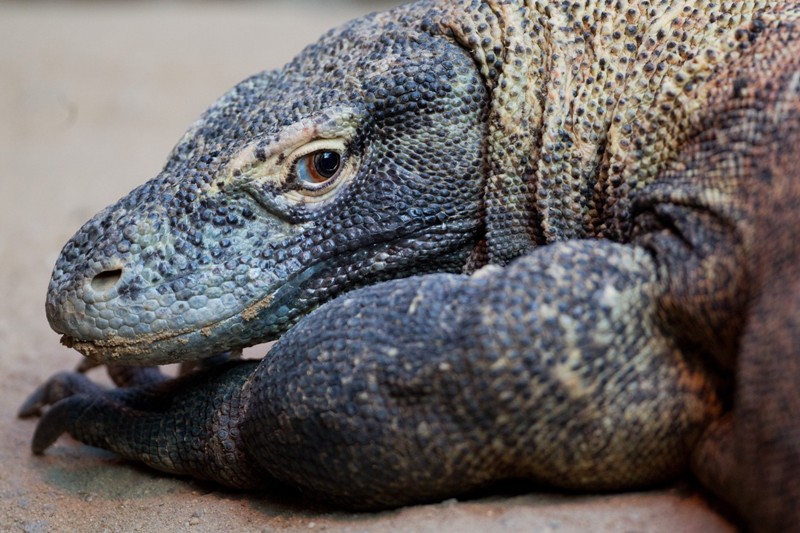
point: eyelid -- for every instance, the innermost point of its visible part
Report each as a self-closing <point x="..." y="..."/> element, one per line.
<point x="318" y="145"/>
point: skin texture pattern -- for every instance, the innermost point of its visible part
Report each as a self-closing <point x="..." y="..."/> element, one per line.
<point x="542" y="240"/>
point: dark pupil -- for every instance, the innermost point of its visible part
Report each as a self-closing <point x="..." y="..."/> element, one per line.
<point x="327" y="163"/>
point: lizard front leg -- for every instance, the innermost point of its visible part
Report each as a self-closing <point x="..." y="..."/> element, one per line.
<point x="552" y="369"/>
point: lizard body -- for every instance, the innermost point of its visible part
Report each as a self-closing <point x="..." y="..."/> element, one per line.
<point x="551" y="241"/>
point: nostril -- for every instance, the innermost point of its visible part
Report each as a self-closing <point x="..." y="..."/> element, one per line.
<point x="106" y="280"/>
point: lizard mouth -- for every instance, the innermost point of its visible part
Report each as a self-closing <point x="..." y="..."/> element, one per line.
<point x="175" y="345"/>
<point x="120" y="348"/>
<point x="259" y="321"/>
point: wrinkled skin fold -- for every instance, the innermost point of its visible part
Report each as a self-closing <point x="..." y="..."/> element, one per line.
<point x="493" y="240"/>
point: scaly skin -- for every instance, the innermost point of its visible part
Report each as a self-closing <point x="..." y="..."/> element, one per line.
<point x="588" y="215"/>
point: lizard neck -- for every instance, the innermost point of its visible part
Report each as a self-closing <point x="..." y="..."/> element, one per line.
<point x="588" y="104"/>
<point x="497" y="34"/>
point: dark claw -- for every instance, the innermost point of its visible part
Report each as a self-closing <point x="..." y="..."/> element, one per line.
<point x="55" y="422"/>
<point x="60" y="386"/>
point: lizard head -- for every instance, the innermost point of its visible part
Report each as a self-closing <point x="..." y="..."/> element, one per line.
<point x="361" y="160"/>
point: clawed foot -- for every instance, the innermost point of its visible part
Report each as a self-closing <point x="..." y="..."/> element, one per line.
<point x="67" y="395"/>
<point x="60" y="400"/>
<point x="66" y="384"/>
<point x="185" y="425"/>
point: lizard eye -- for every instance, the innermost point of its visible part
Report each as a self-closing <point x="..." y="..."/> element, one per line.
<point x="319" y="167"/>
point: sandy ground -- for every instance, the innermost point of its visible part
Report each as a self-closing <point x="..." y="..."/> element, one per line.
<point x="92" y="97"/>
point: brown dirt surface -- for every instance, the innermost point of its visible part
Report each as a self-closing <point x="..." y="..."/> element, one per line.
<point x="92" y="97"/>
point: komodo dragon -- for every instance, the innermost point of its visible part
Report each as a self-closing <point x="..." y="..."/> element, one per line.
<point x="544" y="240"/>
